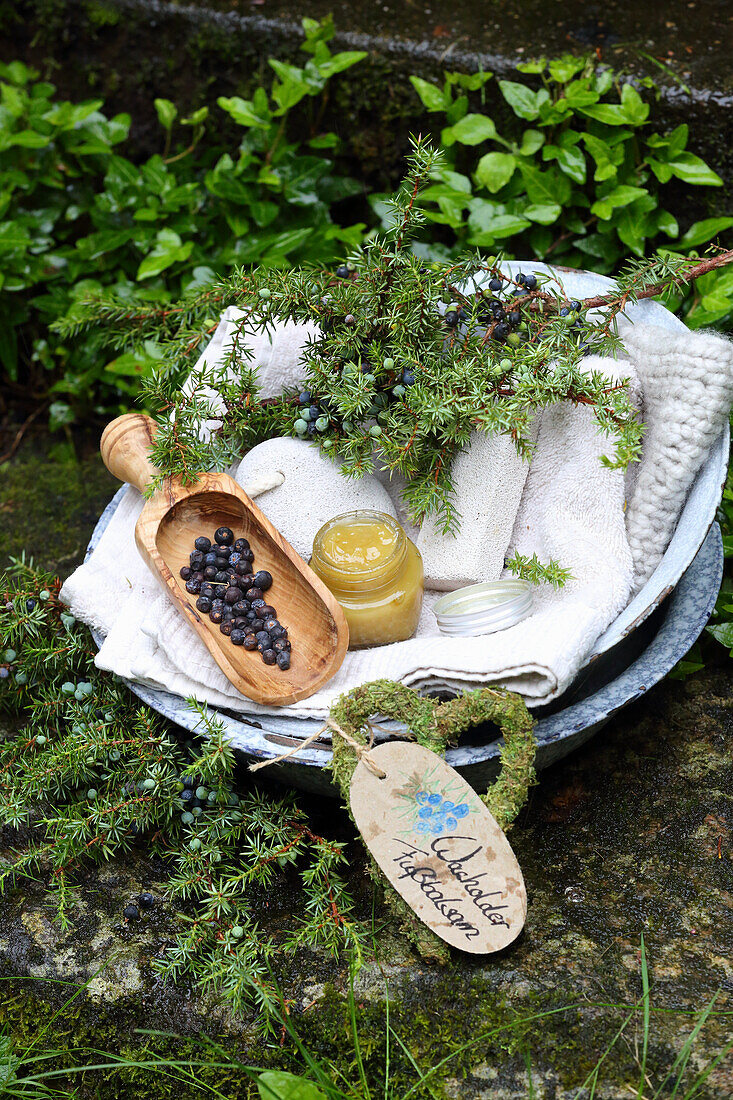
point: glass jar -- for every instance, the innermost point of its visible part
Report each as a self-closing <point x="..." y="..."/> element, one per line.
<point x="375" y="572"/>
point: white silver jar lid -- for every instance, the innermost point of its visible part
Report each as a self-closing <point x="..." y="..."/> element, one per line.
<point x="483" y="608"/>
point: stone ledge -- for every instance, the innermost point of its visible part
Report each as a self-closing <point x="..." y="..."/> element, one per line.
<point x="193" y="52"/>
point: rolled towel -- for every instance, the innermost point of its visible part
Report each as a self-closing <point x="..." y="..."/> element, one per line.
<point x="311" y="489"/>
<point x="489" y="478"/>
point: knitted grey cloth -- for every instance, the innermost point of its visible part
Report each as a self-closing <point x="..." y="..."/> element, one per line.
<point x="687" y="386"/>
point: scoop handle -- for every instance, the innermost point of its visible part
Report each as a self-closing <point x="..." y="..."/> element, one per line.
<point x="125" y="444"/>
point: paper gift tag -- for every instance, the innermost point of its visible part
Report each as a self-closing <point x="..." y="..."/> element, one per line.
<point x="439" y="847"/>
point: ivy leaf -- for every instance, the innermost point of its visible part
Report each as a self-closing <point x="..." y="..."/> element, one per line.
<point x="703" y="231"/>
<point x="545" y="214"/>
<point x="166" y="112"/>
<point x="242" y="111"/>
<point x="196" y="118"/>
<point x="522" y="100"/>
<point x="470" y="130"/>
<point x="619" y="196"/>
<point x="661" y="169"/>
<point x="611" y="114"/>
<point x="279" y="1085"/>
<point x="667" y="223"/>
<point x="607" y="157"/>
<point x="28" y="139"/>
<point x="545" y="187"/>
<point x="495" y="169"/>
<point x="564" y="68"/>
<point x="631" y="110"/>
<point x="502" y="225"/>
<point x="693" y="169"/>
<point x="570" y="159"/>
<point x="637" y="111"/>
<point x="432" y="97"/>
<point x="633" y="225"/>
<point x="340" y="61"/>
<point x="168" y="250"/>
<point x="578" y="94"/>
<point x="723" y="633"/>
<point x="531" y="142"/>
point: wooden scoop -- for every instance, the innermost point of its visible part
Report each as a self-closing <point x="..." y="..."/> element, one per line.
<point x="168" y="525"/>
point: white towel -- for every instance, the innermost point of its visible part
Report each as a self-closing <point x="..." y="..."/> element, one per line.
<point x="489" y="477"/>
<point x="572" y="508"/>
<point x="310" y="494"/>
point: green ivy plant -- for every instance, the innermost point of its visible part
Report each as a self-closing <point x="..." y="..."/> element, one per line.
<point x="78" y="217"/>
<point x="578" y="176"/>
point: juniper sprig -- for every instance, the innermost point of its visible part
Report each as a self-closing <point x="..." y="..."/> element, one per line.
<point x="90" y="773"/>
<point x="407" y="359"/>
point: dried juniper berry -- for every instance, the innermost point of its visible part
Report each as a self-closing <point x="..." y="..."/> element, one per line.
<point x="248" y="555"/>
<point x="253" y="593"/>
<point x="269" y="656"/>
<point x="232" y="595"/>
<point x="250" y="641"/>
<point x="224" y="536"/>
<point x="242" y="607"/>
<point x="210" y="558"/>
<point x="193" y="586"/>
<point x="185" y="572"/>
<point x="263" y="580"/>
<point x="237" y="636"/>
<point x="263" y="638"/>
<point x="240" y="545"/>
<point x="281" y="645"/>
<point x="195" y="559"/>
<point x="265" y="611"/>
<point x="203" y="603"/>
<point x="217" y="615"/>
<point x="271" y="624"/>
<point x="203" y="544"/>
<point x="227" y="627"/>
<point x="210" y="572"/>
<point x="282" y="659"/>
<point x="242" y="569"/>
<point x="222" y="577"/>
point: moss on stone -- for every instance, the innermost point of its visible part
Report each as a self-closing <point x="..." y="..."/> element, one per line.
<point x="49" y="502"/>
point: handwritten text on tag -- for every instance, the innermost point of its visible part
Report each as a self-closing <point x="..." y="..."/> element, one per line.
<point x="439" y="847"/>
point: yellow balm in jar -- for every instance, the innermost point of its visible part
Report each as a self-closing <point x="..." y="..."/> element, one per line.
<point x="375" y="572"/>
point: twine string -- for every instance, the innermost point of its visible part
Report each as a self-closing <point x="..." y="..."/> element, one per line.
<point x="362" y="751"/>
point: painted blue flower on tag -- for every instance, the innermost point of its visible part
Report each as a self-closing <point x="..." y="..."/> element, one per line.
<point x="437" y="814"/>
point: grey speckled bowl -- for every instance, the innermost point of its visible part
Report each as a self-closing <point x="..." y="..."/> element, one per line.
<point x="654" y="631"/>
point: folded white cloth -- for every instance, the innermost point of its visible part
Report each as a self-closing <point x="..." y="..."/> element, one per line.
<point x="571" y="508"/>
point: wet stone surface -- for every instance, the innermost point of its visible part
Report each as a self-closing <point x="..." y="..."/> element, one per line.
<point x="628" y="837"/>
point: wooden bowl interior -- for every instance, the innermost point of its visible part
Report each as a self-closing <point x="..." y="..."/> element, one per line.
<point x="300" y="609"/>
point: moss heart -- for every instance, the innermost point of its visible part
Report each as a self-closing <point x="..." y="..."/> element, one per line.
<point x="435" y="725"/>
